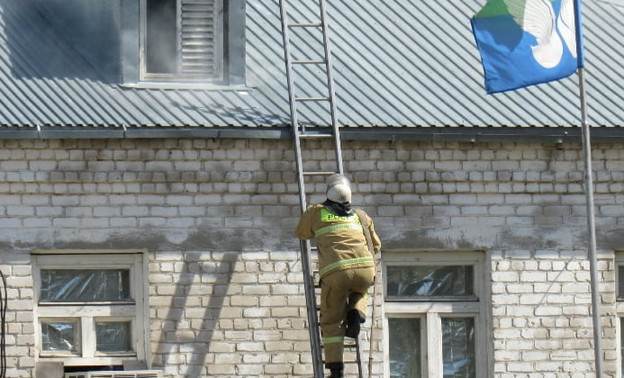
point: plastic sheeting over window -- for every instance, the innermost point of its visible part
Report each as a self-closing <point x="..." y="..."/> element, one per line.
<point x="60" y="336"/>
<point x="430" y="281"/>
<point x="458" y="348"/>
<point x="405" y="347"/>
<point x="67" y="285"/>
<point x="113" y="336"/>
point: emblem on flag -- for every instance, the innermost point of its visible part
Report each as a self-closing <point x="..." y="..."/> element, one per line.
<point x="526" y="42"/>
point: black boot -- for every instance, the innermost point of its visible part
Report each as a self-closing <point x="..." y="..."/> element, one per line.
<point x="354" y="319"/>
<point x="336" y="369"/>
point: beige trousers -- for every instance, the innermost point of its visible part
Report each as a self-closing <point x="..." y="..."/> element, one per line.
<point x="342" y="291"/>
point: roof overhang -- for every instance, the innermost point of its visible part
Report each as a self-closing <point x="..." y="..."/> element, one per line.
<point x="555" y="135"/>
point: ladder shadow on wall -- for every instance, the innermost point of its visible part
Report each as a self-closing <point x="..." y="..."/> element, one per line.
<point x="202" y="337"/>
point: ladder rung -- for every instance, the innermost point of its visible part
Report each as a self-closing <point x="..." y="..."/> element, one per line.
<point x="318" y="173"/>
<point x="348" y="344"/>
<point x="320" y="135"/>
<point x="305" y="25"/>
<point x="312" y="99"/>
<point x="308" y="62"/>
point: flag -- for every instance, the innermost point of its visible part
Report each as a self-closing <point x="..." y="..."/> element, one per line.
<point x="527" y="42"/>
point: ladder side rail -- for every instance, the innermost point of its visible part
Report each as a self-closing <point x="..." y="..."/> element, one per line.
<point x="313" y="317"/>
<point x="313" y="322"/>
<point x="358" y="358"/>
<point x="330" y="85"/>
<point x="293" y="104"/>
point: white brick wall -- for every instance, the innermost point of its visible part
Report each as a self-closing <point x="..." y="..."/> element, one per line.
<point x="542" y="315"/>
<point x="19" y="316"/>
<point x="225" y="282"/>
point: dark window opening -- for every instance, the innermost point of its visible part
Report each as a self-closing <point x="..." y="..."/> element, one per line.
<point x="184" y="40"/>
<point x="161" y="37"/>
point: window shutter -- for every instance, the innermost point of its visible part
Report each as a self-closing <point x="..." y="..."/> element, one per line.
<point x="198" y="38"/>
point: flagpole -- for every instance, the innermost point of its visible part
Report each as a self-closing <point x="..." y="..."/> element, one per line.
<point x="589" y="193"/>
<point x="589" y="198"/>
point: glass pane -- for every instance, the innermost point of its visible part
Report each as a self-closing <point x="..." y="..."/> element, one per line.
<point x="113" y="336"/>
<point x="64" y="285"/>
<point x="60" y="336"/>
<point x="161" y="37"/>
<point x="622" y="343"/>
<point x="404" y="340"/>
<point x="620" y="293"/>
<point x="428" y="281"/>
<point x="458" y="348"/>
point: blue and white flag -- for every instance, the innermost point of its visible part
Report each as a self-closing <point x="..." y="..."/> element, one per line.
<point x="527" y="42"/>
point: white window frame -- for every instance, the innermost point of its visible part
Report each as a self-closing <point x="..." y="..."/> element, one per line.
<point x="432" y="312"/>
<point x="85" y="314"/>
<point x="179" y="78"/>
<point x="619" y="309"/>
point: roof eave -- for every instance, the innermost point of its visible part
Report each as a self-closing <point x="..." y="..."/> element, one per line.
<point x="556" y="135"/>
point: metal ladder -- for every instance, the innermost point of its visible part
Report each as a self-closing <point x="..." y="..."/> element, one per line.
<point x="314" y="27"/>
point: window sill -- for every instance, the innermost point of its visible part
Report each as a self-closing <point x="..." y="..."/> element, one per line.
<point x="438" y="298"/>
<point x="187" y="86"/>
<point x="394" y="308"/>
<point x="87" y="361"/>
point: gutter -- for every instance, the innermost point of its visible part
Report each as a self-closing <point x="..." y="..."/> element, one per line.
<point x="556" y="135"/>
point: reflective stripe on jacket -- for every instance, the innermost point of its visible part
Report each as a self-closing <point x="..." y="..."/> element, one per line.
<point x="336" y="222"/>
<point x="340" y="239"/>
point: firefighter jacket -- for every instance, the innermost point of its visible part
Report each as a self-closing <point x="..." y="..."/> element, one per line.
<point x="340" y="239"/>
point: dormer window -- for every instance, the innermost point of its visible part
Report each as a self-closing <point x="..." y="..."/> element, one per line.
<point x="183" y="43"/>
<point x="182" y="40"/>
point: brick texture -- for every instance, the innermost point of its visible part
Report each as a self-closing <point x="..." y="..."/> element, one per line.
<point x="217" y="218"/>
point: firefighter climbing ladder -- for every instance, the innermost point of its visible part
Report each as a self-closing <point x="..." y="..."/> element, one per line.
<point x="290" y="30"/>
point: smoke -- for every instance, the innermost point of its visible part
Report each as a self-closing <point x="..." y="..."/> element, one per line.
<point x="182" y="38"/>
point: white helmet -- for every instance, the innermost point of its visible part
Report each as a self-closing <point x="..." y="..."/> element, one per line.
<point x="339" y="193"/>
<point x="336" y="179"/>
<point x="339" y="188"/>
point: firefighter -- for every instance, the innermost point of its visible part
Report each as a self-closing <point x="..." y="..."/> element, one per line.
<point x="347" y="266"/>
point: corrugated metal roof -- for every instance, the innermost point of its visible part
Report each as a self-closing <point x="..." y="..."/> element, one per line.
<point x="401" y="63"/>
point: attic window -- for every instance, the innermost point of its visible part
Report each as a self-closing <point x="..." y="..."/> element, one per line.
<point x="182" y="40"/>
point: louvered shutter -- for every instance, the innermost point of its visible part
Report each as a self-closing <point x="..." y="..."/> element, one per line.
<point x="198" y="38"/>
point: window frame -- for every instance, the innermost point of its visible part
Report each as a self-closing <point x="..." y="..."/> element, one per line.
<point x="234" y="62"/>
<point x="618" y="261"/>
<point x="86" y="315"/>
<point x="432" y="311"/>
<point x="219" y="48"/>
<point x="220" y="51"/>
